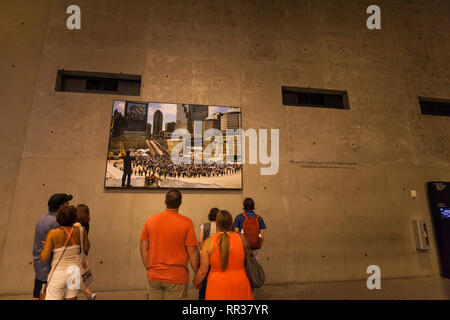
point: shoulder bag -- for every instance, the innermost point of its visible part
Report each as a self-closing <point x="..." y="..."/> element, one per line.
<point x="253" y="268"/>
<point x="85" y="271"/>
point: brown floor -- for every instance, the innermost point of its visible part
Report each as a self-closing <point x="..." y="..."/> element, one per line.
<point x="436" y="288"/>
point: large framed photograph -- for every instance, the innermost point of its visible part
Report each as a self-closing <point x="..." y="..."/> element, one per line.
<point x="172" y="145"/>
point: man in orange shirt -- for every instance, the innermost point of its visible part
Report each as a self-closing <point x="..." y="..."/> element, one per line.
<point x="167" y="242"/>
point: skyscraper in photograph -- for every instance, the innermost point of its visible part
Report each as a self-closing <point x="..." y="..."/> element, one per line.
<point x="157" y="122"/>
<point x="188" y="113"/>
<point x="148" y="130"/>
<point x="230" y="120"/>
<point x="170" y="126"/>
<point x="212" y="122"/>
<point x="198" y="113"/>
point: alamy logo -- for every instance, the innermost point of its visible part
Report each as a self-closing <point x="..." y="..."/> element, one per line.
<point x="374" y="281"/>
<point x="374" y="21"/>
<point x="233" y="144"/>
<point x="74" y="279"/>
<point x="74" y="20"/>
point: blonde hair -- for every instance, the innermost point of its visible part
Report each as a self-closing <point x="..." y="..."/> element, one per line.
<point x="83" y="215"/>
<point x="224" y="222"/>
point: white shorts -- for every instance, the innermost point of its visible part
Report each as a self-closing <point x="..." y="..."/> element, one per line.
<point x="57" y="287"/>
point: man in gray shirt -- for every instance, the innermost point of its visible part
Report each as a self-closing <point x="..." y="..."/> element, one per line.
<point x="46" y="223"/>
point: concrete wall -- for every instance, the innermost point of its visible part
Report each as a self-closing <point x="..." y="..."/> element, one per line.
<point x="323" y="224"/>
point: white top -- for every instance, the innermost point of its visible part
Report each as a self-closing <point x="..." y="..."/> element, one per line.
<point x="71" y="257"/>
<point x="213" y="228"/>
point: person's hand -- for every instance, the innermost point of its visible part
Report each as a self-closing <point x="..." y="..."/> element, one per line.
<point x="43" y="243"/>
<point x="198" y="287"/>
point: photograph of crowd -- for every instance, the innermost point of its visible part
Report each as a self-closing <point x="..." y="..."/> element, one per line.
<point x="141" y="144"/>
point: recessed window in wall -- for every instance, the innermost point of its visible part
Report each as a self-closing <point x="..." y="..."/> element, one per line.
<point x="98" y="82"/>
<point x="93" y="84"/>
<point x="318" y="98"/>
<point x="102" y="84"/>
<point x="434" y="107"/>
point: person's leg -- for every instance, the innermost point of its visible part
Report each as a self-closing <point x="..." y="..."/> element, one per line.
<point x="71" y="291"/>
<point x="56" y="288"/>
<point x="124" y="175"/>
<point x="129" y="179"/>
<point x="37" y="288"/>
<point x="89" y="294"/>
<point x="175" y="291"/>
<point x="155" y="291"/>
<point x="202" y="291"/>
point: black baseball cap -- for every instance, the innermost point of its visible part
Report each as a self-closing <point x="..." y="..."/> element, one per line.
<point x="58" y="199"/>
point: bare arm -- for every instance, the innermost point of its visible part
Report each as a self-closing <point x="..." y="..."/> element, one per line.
<point x="48" y="248"/>
<point x="262" y="233"/>
<point x="144" y="252"/>
<point x="262" y="237"/>
<point x="194" y="257"/>
<point x="86" y="243"/>
<point x="204" y="266"/>
<point x="200" y="236"/>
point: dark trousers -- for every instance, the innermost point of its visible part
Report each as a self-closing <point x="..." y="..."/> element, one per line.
<point x="126" y="174"/>
<point x="38" y="287"/>
<point x="202" y="291"/>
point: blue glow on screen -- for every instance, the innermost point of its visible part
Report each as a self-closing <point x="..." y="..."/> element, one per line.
<point x="445" y="213"/>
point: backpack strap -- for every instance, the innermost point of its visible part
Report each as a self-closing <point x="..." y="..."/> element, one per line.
<point x="257" y="220"/>
<point x="247" y="248"/>
<point x="245" y="219"/>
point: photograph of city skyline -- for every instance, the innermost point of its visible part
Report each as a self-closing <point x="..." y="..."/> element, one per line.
<point x="144" y="138"/>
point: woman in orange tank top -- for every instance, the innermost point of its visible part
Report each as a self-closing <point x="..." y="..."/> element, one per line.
<point x="225" y="252"/>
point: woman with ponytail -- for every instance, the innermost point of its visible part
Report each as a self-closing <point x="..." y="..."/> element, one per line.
<point x="225" y="253"/>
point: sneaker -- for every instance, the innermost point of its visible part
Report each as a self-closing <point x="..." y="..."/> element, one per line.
<point x="93" y="296"/>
